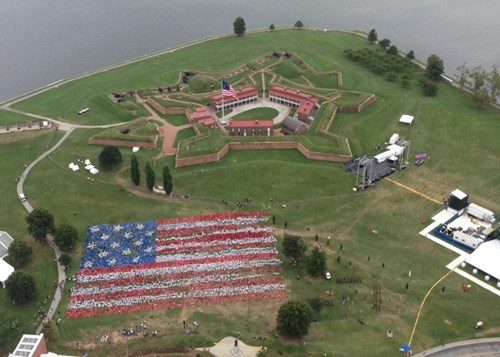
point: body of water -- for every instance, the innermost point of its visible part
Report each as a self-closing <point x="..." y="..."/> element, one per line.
<point x="43" y="41"/>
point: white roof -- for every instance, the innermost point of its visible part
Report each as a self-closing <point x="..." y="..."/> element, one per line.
<point x="75" y="168"/>
<point x="459" y="194"/>
<point x="5" y="242"/>
<point x="5" y="270"/>
<point x="394" y="138"/>
<point x="89" y="167"/>
<point x="487" y="258"/>
<point x="87" y="162"/>
<point x="94" y="171"/>
<point x="407" y="119"/>
<point x="135" y="149"/>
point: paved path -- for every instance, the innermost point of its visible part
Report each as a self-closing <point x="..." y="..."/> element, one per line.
<point x="61" y="275"/>
<point x="482" y="347"/>
<point x="167" y="130"/>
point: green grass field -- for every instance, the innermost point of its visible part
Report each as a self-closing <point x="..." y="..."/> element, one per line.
<point x="464" y="152"/>
<point x="257" y="114"/>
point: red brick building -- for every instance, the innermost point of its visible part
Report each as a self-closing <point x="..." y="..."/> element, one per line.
<point x="305" y="103"/>
<point x="251" y="128"/>
<point x="244" y="95"/>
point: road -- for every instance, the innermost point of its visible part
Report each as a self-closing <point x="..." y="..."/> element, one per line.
<point x="484" y="347"/>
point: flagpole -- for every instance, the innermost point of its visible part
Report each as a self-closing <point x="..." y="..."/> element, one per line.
<point x="222" y="94"/>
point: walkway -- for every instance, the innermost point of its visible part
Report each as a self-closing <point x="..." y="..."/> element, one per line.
<point x="167" y="130"/>
<point x="483" y="347"/>
<point x="61" y="275"/>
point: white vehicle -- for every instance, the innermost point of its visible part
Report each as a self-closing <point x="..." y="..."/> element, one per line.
<point x="328" y="276"/>
<point x="83" y="111"/>
<point x="22" y="197"/>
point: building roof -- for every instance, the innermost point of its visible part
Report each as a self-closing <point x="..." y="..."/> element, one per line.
<point x="292" y="94"/>
<point x="5" y="241"/>
<point x="459" y="194"/>
<point x="407" y="119"/>
<point x="240" y="93"/>
<point x="5" y="270"/>
<point x="251" y="123"/>
<point x="207" y="121"/>
<point x="291" y="124"/>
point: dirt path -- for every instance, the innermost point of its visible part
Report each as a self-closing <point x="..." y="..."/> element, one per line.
<point x="412" y="190"/>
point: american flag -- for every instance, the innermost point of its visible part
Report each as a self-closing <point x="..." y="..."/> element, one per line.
<point x="208" y="259"/>
<point x="228" y="90"/>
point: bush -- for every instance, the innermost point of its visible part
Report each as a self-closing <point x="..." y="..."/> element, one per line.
<point x="294" y="247"/>
<point x="429" y="88"/>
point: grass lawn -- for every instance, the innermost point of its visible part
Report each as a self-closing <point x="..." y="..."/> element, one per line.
<point x="460" y="138"/>
<point x="257" y="114"/>
<point x="184" y="134"/>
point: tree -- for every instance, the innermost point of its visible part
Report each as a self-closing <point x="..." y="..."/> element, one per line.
<point x="51" y="332"/>
<point x="19" y="253"/>
<point x="316" y="262"/>
<point x="479" y="80"/>
<point x="135" y="173"/>
<point x="150" y="176"/>
<point x="272" y="27"/>
<point x="65" y="260"/>
<point x="494" y="83"/>
<point x="384" y="44"/>
<point x="239" y="26"/>
<point x="65" y="237"/>
<point x="167" y="180"/>
<point x="372" y="36"/>
<point x="429" y="88"/>
<point x="20" y="287"/>
<point x="298" y="25"/>
<point x="435" y="67"/>
<point x="393" y="50"/>
<point x="316" y="304"/>
<point x="109" y="157"/>
<point x="410" y="55"/>
<point x="294" y="318"/>
<point x="40" y="223"/>
<point x="294" y="247"/>
<point x="463" y="74"/>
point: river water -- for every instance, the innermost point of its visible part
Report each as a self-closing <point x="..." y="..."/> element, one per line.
<point x="43" y="41"/>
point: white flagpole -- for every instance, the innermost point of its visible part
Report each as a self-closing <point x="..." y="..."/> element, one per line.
<point x="222" y="94"/>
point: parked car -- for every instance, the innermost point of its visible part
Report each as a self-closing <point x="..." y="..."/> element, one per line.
<point x="328" y="276"/>
<point x="22" y="197"/>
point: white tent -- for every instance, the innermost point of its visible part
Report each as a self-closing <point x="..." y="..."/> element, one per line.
<point x="87" y="162"/>
<point x="5" y="271"/>
<point x="407" y="119"/>
<point x="93" y="171"/>
<point x="89" y="167"/>
<point x="485" y="258"/>
<point x="394" y="138"/>
<point x="135" y="149"/>
<point x="75" y="168"/>
<point x="71" y="165"/>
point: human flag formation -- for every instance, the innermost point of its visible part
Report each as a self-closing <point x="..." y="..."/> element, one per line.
<point x="228" y="90"/>
<point x="208" y="259"/>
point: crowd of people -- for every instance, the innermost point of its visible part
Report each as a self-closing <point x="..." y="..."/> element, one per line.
<point x="203" y="259"/>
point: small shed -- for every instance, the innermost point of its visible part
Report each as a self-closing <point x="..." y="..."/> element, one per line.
<point x="293" y="126"/>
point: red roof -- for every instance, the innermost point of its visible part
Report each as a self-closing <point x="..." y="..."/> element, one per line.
<point x="240" y="93"/>
<point x="293" y="94"/>
<point x="201" y="109"/>
<point x="200" y="115"/>
<point x="250" y="123"/>
<point x="207" y="121"/>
